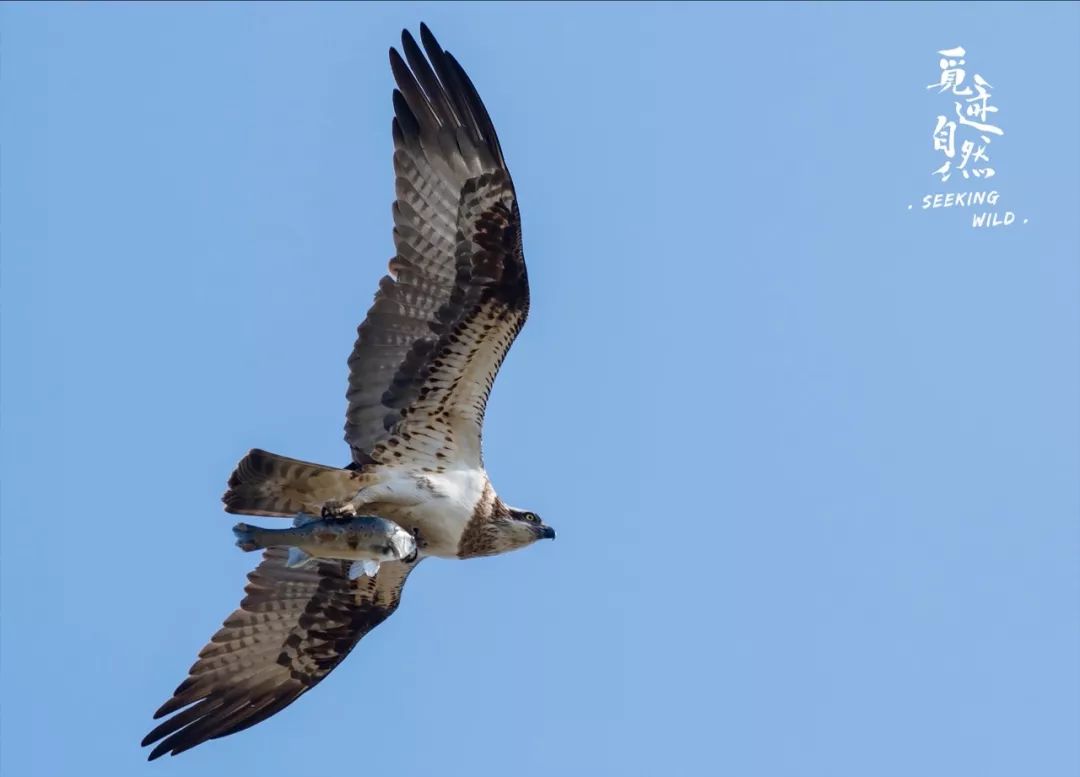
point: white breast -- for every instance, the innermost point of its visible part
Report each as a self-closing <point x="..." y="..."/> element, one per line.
<point x="443" y="504"/>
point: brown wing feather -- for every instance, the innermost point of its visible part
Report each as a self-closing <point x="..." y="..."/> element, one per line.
<point x="444" y="420"/>
<point x="449" y="170"/>
<point x="293" y="627"/>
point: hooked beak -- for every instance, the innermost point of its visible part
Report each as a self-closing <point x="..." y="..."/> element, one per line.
<point x="545" y="533"/>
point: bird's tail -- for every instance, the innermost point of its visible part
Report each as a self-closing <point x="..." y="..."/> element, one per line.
<point x="267" y="484"/>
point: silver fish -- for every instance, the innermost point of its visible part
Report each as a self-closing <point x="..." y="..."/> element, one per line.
<point x="365" y="540"/>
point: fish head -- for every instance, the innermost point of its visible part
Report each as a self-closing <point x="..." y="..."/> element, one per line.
<point x="403" y="545"/>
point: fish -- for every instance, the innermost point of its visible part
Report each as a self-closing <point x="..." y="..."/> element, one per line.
<point x="366" y="540"/>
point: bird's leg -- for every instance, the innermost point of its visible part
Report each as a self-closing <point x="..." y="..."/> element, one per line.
<point x="383" y="494"/>
<point x="342" y="509"/>
<point x="377" y="494"/>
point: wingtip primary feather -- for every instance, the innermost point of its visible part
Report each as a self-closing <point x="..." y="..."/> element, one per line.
<point x="439" y="94"/>
<point x="395" y="56"/>
<point x="431" y="43"/>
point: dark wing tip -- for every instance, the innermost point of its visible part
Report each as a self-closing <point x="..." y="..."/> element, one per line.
<point x="395" y="58"/>
<point x="427" y="37"/>
<point x="166" y="741"/>
<point x="406" y="123"/>
<point x="431" y="43"/>
<point x="440" y="94"/>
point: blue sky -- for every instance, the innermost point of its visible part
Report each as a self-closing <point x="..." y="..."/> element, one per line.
<point x="813" y="457"/>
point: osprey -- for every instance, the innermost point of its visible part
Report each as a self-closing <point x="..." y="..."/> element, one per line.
<point x="420" y="373"/>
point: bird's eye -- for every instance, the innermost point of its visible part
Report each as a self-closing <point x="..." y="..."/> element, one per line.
<point x="532" y="517"/>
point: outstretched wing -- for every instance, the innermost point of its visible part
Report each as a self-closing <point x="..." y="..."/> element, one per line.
<point x="293" y="627"/>
<point x="457" y="293"/>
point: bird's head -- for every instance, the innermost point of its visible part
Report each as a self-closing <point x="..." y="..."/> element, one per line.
<point x="516" y="528"/>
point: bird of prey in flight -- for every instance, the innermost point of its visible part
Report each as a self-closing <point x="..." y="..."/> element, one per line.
<point x="420" y="373"/>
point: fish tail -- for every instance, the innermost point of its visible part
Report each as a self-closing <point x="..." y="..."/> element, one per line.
<point x="245" y="537"/>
